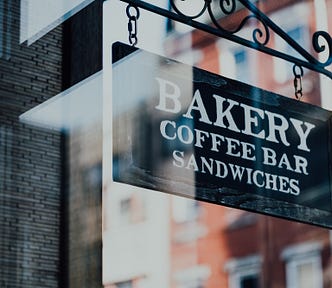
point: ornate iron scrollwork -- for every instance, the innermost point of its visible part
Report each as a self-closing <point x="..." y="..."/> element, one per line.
<point x="228" y="7"/>
<point x="199" y="14"/>
<point x="260" y="34"/>
<point x="321" y="48"/>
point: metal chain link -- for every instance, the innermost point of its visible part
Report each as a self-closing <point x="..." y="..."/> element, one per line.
<point x="133" y="15"/>
<point x="298" y="81"/>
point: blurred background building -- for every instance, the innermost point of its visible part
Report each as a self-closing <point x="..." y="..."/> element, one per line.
<point x="234" y="248"/>
<point x="211" y="246"/>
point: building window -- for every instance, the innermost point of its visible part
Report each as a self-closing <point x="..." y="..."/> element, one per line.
<point x="294" y="21"/>
<point x="132" y="209"/>
<point x="244" y="279"/>
<point x="244" y="272"/>
<point x="235" y="63"/>
<point x="305" y="273"/>
<point x="284" y="70"/>
<point x="248" y="281"/>
<point x="242" y="65"/>
<point x="185" y="210"/>
<point x="125" y="210"/>
<point x="303" y="266"/>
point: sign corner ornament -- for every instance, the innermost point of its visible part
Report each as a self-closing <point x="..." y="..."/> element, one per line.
<point x="182" y="130"/>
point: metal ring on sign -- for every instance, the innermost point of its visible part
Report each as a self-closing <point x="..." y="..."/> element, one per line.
<point x="129" y="13"/>
<point x="295" y="72"/>
<point x="298" y="81"/>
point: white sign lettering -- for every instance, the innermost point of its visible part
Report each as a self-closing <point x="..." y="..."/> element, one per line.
<point x="254" y="122"/>
<point x="278" y="125"/>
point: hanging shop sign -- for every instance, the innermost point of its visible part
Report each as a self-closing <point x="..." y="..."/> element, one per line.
<point x="186" y="131"/>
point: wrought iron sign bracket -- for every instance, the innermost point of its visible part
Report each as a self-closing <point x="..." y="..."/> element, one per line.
<point x="260" y="34"/>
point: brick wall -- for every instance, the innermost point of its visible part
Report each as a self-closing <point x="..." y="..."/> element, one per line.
<point x="33" y="217"/>
<point x="30" y="159"/>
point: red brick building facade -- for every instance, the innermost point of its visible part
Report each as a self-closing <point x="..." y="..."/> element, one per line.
<point x="223" y="247"/>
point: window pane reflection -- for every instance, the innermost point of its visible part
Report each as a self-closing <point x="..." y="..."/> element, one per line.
<point x="65" y="222"/>
<point x="50" y="146"/>
<point x="207" y="245"/>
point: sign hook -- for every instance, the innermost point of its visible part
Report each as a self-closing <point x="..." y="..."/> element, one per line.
<point x="133" y="15"/>
<point x="298" y="74"/>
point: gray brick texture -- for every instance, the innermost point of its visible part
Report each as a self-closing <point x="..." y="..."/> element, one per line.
<point x="30" y="158"/>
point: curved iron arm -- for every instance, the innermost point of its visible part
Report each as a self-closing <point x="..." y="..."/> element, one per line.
<point x="260" y="36"/>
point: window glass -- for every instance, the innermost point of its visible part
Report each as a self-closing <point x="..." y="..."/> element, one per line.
<point x="237" y="62"/>
<point x="200" y="244"/>
<point x="304" y="264"/>
<point x="250" y="281"/>
<point x="297" y="29"/>
<point x="283" y="70"/>
<point x="242" y="64"/>
<point x="305" y="273"/>
<point x="66" y="222"/>
<point x="50" y="146"/>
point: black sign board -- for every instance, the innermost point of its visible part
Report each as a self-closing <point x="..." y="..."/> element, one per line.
<point x="186" y="131"/>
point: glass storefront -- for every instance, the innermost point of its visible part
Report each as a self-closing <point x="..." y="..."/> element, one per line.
<point x="65" y="129"/>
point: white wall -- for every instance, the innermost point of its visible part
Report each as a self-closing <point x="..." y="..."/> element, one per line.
<point x="38" y="17"/>
<point x="142" y="249"/>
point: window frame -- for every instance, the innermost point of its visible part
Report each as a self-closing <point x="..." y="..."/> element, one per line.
<point x="300" y="254"/>
<point x="236" y="277"/>
<point x="239" y="268"/>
